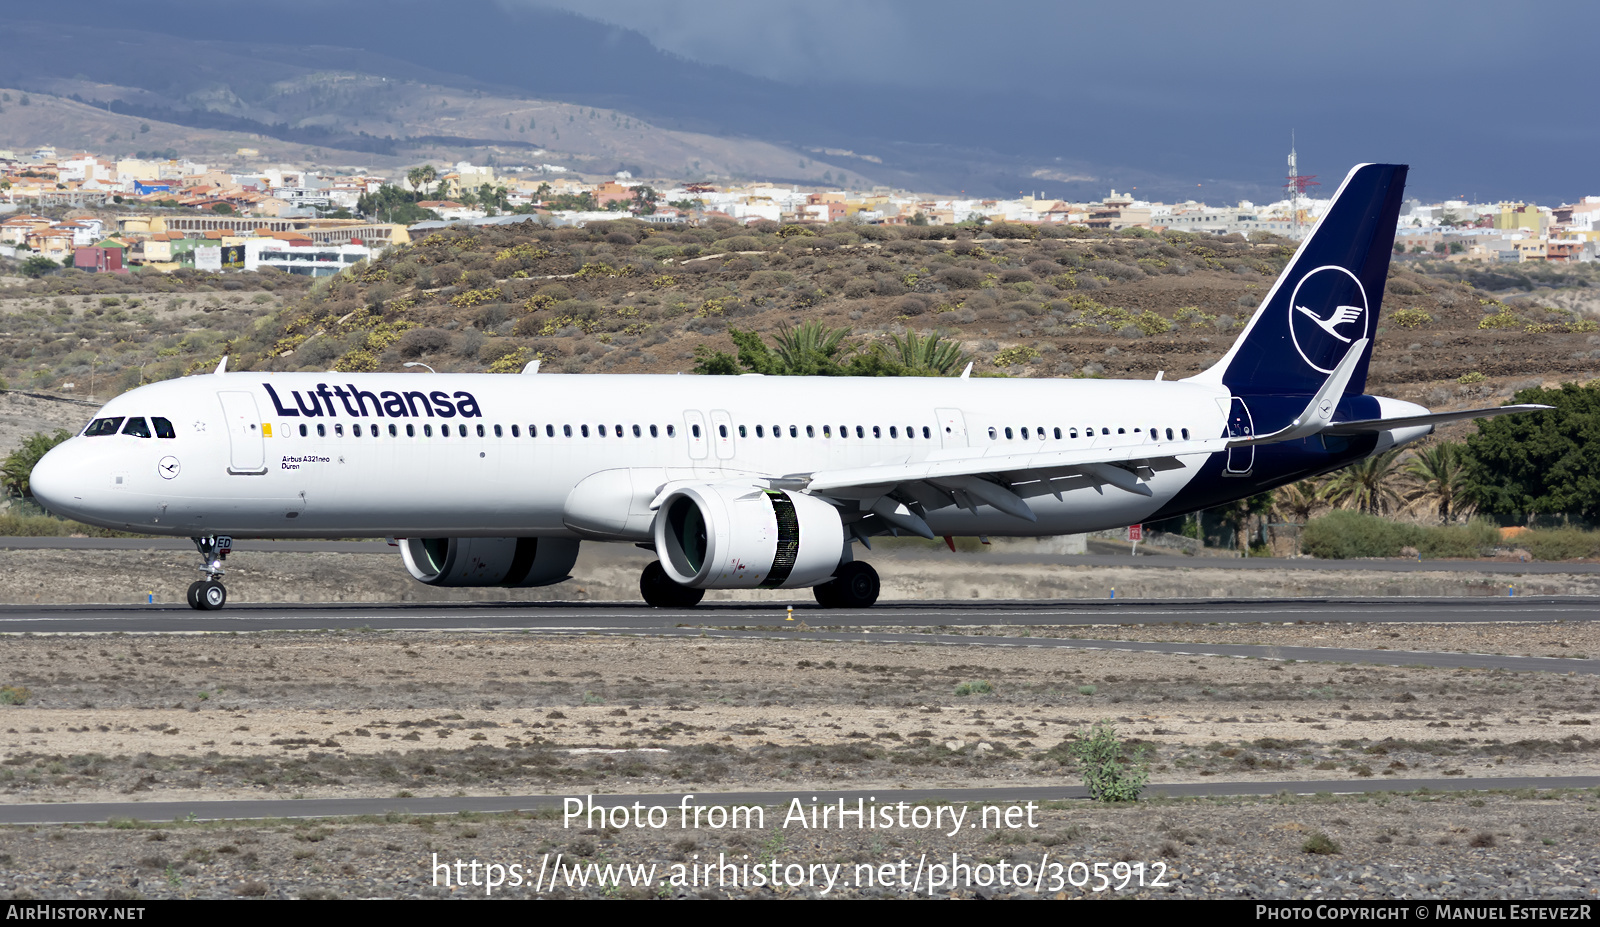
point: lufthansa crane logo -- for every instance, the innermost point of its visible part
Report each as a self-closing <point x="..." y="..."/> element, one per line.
<point x="1327" y="313"/>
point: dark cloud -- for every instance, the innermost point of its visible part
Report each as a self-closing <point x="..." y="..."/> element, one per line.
<point x="1480" y="98"/>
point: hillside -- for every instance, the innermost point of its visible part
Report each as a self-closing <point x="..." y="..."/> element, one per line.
<point x="623" y="297"/>
<point x="144" y="91"/>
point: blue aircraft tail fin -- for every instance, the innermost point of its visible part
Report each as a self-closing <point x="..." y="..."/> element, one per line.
<point x="1326" y="301"/>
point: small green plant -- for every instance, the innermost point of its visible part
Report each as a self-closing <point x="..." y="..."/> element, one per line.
<point x="1321" y="844"/>
<point x="14" y="695"/>
<point x="1021" y="354"/>
<point x="1467" y="379"/>
<point x="1087" y="690"/>
<point x="1411" y="318"/>
<point x="1109" y="775"/>
<point x="975" y="688"/>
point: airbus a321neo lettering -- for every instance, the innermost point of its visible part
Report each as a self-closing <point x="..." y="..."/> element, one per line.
<point x="748" y="482"/>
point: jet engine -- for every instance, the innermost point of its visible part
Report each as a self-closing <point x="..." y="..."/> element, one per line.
<point x="727" y="536"/>
<point x="512" y="562"/>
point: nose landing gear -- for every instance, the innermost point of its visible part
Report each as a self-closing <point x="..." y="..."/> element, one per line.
<point x="209" y="594"/>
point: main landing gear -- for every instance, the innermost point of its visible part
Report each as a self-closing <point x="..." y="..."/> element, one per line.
<point x="660" y="591"/>
<point x="854" y="585"/>
<point x="209" y="594"/>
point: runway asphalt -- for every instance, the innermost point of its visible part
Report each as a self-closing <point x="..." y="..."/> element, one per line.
<point x="203" y="810"/>
<point x="898" y="624"/>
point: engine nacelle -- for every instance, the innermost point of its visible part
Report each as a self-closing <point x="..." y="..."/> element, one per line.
<point x="511" y="562"/>
<point x="726" y="536"/>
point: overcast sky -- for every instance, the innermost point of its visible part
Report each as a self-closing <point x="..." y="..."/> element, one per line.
<point x="1488" y="95"/>
<point x="1486" y="99"/>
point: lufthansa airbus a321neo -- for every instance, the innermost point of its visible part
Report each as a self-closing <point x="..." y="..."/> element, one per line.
<point x="747" y="482"/>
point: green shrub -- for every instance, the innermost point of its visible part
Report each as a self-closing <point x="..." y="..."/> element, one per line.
<point x="1560" y="543"/>
<point x="1469" y="540"/>
<point x="14" y="695"/>
<point x="1321" y="844"/>
<point x="1347" y="535"/>
<point x="974" y="688"/>
<point x="1107" y="773"/>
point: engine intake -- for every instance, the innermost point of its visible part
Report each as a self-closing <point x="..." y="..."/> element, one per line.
<point x="511" y="562"/>
<point x="743" y="537"/>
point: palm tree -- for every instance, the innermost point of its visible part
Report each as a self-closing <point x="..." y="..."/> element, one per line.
<point x="1295" y="503"/>
<point x="1438" y="475"/>
<point x="927" y="357"/>
<point x="1366" y="485"/>
<point x="811" y="348"/>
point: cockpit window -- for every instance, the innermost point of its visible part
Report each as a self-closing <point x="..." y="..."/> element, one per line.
<point x="164" y="428"/>
<point x="103" y="426"/>
<point x="137" y="427"/>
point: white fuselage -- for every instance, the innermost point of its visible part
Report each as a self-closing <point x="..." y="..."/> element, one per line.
<point x="555" y="456"/>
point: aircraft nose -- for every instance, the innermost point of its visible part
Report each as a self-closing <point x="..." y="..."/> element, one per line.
<point x="54" y="480"/>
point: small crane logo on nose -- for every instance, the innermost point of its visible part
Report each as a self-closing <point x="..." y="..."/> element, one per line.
<point x="168" y="467"/>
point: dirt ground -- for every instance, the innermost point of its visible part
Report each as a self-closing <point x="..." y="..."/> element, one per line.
<point x="610" y="573"/>
<point x="158" y="717"/>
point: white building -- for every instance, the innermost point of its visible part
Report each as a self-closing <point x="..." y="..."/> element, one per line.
<point x="305" y="260"/>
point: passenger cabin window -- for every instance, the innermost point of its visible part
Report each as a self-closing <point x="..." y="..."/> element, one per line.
<point x="427" y="431"/>
<point x="322" y="430"/>
<point x="303" y="431"/>
<point x="411" y="431"/>
<point x="137" y="427"/>
<point x="393" y="432"/>
<point x="338" y="430"/>
<point x="672" y="430"/>
<point x="653" y="432"/>
<point x="694" y="430"/>
<point x="164" y="428"/>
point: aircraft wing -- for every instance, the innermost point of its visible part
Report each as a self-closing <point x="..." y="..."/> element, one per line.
<point x="1002" y="478"/>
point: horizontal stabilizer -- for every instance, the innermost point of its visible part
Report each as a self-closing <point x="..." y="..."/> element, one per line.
<point x="1367" y="426"/>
